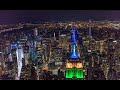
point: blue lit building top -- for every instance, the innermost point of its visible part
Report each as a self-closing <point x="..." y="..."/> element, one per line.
<point x="74" y="54"/>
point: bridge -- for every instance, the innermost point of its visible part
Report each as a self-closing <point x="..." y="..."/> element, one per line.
<point x="10" y="29"/>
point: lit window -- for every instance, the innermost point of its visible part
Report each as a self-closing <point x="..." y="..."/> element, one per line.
<point x="79" y="65"/>
<point x="69" y="65"/>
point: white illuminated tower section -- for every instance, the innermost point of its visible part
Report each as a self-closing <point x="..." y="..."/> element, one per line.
<point x="54" y="36"/>
<point x="20" y="56"/>
<point x="35" y="36"/>
<point x="10" y="58"/>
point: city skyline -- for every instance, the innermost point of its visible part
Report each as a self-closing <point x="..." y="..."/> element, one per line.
<point x="57" y="49"/>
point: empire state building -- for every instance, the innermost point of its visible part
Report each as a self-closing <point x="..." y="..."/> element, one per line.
<point x="74" y="66"/>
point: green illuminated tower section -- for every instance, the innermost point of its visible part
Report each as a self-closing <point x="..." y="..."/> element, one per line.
<point x="74" y="73"/>
<point x="74" y="66"/>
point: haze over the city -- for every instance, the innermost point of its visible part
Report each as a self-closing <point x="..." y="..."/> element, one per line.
<point x="17" y="16"/>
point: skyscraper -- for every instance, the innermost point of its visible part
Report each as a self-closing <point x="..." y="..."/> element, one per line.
<point x="90" y="34"/>
<point x="31" y="50"/>
<point x="54" y="37"/>
<point x="74" y="66"/>
<point x="111" y="58"/>
<point x="20" y="56"/>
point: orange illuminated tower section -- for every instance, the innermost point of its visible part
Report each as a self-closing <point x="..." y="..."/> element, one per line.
<point x="74" y="66"/>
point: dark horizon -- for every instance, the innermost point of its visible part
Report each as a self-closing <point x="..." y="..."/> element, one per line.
<point x="17" y="16"/>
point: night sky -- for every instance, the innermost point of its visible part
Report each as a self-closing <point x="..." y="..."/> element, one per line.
<point x="16" y="16"/>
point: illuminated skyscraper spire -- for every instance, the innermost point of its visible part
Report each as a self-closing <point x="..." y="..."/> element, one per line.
<point x="74" y="53"/>
<point x="73" y="36"/>
<point x="74" y="66"/>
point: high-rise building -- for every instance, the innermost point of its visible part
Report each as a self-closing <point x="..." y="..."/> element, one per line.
<point x="36" y="32"/>
<point x="54" y="37"/>
<point x="1" y="56"/>
<point x="74" y="66"/>
<point x="111" y="58"/>
<point x="13" y="52"/>
<point x="90" y="34"/>
<point x="39" y="57"/>
<point x="26" y="54"/>
<point x="31" y="51"/>
<point x="35" y="36"/>
<point x="20" y="56"/>
<point x="10" y="58"/>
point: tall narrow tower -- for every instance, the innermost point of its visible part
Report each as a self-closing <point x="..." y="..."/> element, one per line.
<point x="36" y="32"/>
<point x="20" y="56"/>
<point x="74" y="66"/>
<point x="35" y="36"/>
<point x="54" y="37"/>
<point x="90" y="34"/>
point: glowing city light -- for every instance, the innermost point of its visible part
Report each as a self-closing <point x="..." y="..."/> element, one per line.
<point x="74" y="72"/>
<point x="74" y="53"/>
<point x="20" y="55"/>
<point x="74" y="69"/>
